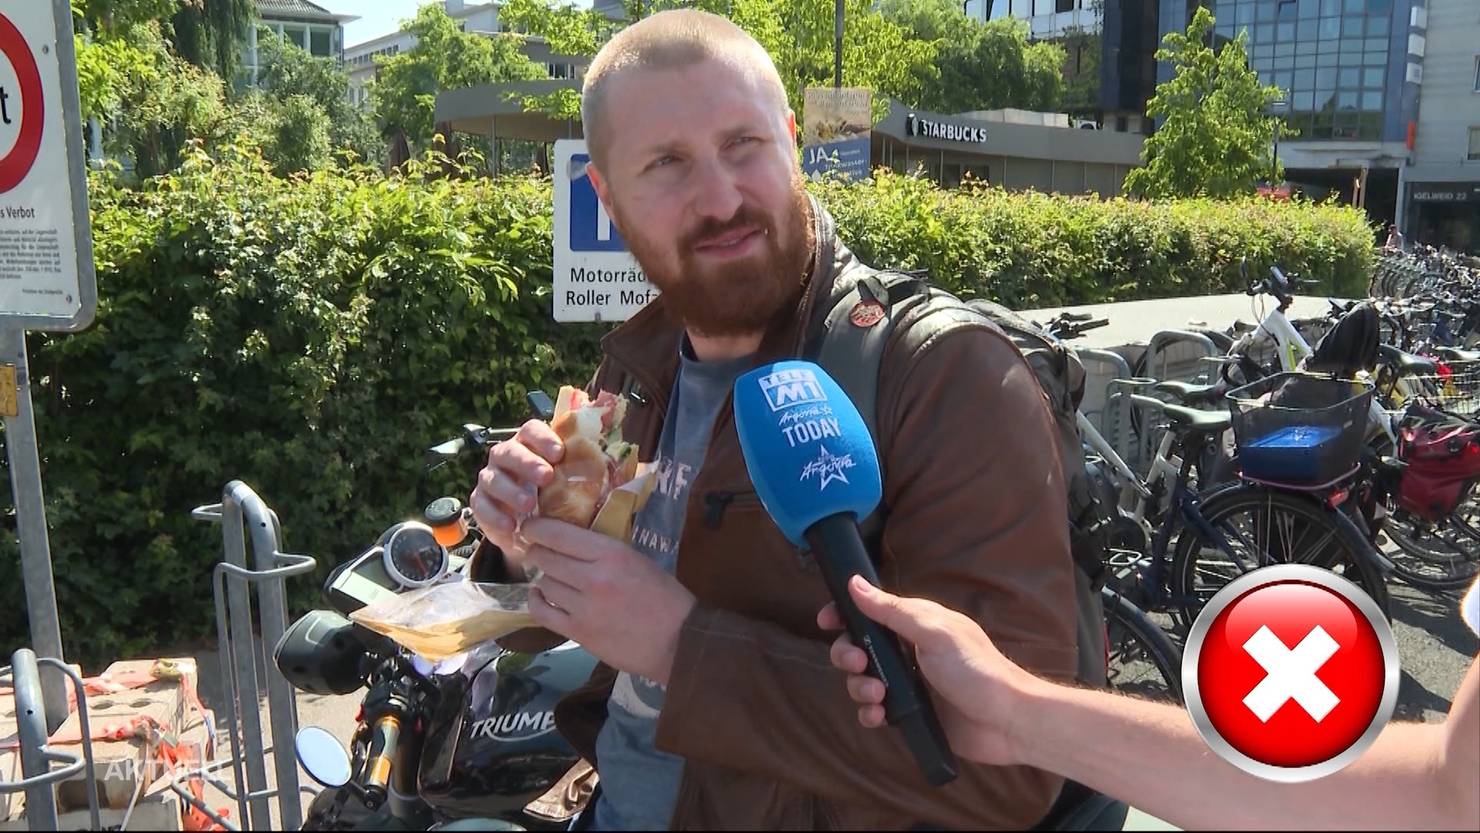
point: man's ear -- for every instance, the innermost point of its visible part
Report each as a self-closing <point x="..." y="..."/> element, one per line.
<point x="603" y="193"/>
<point x="791" y="124"/>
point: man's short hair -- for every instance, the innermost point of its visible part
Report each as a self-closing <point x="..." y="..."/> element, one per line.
<point x="669" y="40"/>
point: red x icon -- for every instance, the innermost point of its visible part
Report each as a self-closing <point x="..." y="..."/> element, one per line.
<point x="1290" y="672"/>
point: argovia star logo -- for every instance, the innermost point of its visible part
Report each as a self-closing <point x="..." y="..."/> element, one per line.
<point x="828" y="467"/>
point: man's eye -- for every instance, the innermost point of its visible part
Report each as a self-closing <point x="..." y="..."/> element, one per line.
<point x="743" y="140"/>
<point x="662" y="161"/>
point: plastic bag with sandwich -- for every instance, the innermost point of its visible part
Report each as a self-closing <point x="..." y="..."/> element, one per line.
<point x="598" y="485"/>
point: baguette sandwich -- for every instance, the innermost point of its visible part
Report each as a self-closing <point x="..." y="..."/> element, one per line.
<point x="597" y="462"/>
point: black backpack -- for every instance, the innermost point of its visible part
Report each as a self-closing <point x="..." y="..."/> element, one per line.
<point x="1351" y="346"/>
<point x="853" y="354"/>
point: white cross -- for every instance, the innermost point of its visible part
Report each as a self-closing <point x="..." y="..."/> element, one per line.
<point x="603" y="222"/>
<point x="1291" y="674"/>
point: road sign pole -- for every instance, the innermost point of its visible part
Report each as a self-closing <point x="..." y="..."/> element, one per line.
<point x="30" y="510"/>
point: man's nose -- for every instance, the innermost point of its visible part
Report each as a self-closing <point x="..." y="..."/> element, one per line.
<point x="716" y="193"/>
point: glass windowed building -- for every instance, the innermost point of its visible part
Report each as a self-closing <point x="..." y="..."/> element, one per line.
<point x="1350" y="71"/>
<point x="1331" y="58"/>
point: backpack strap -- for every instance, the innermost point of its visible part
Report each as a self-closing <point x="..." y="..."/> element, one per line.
<point x="853" y="354"/>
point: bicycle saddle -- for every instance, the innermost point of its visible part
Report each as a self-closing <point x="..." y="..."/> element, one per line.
<point x="1407" y="363"/>
<point x="1454" y="354"/>
<point x="1187" y="419"/>
<point x="1190" y="393"/>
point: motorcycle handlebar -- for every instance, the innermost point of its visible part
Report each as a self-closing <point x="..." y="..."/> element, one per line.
<point x="385" y="737"/>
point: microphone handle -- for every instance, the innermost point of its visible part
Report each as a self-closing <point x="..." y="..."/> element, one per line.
<point x="841" y="555"/>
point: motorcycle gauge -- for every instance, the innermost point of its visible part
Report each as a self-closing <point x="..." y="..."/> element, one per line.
<point x="413" y="557"/>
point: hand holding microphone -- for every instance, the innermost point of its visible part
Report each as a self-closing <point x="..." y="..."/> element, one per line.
<point x="814" y="467"/>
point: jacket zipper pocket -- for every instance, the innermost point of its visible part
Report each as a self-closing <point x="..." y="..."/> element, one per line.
<point x="717" y="502"/>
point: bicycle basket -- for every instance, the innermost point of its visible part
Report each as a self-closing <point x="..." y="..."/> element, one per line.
<point x="1299" y="429"/>
<point x="1455" y="388"/>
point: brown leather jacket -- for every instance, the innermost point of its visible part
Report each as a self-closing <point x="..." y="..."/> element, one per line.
<point x="976" y="522"/>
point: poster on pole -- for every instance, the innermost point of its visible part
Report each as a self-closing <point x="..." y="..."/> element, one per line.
<point x="46" y="265"/>
<point x="595" y="277"/>
<point x="836" y="128"/>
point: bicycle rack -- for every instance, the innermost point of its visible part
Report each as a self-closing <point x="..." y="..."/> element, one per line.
<point x="1103" y="368"/>
<point x="1199" y="345"/>
<point x="242" y="513"/>
<point x="37" y="756"/>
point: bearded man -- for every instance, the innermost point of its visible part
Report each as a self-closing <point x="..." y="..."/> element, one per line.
<point x="715" y="704"/>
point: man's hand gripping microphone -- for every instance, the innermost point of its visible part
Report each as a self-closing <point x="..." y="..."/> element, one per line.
<point x="814" y="467"/>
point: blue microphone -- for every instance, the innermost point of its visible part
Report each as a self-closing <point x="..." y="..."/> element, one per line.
<point x="814" y="467"/>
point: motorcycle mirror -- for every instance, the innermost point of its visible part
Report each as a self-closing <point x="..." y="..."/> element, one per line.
<point x="322" y="757"/>
<point x="541" y="405"/>
<point x="439" y="454"/>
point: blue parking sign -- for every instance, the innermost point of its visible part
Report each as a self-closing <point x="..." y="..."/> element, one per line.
<point x="591" y="230"/>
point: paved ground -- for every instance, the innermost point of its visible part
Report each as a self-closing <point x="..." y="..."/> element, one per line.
<point x="1135" y="322"/>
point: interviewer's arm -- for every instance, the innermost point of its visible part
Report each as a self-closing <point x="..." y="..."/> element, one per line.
<point x="1415" y="776"/>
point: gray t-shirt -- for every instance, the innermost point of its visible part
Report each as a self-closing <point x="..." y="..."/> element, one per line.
<point x="639" y="783"/>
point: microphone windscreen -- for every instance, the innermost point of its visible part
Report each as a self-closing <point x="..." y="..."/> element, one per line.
<point x="808" y="450"/>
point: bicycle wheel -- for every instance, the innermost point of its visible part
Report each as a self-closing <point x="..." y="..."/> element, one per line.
<point x="1260" y="527"/>
<point x="1439" y="556"/>
<point x="1141" y="659"/>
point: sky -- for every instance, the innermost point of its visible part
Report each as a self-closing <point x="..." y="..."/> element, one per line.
<point x="380" y="17"/>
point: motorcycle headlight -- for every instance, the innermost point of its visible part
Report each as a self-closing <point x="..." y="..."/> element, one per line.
<point x="321" y="654"/>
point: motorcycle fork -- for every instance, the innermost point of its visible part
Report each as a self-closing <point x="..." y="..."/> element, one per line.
<point x="404" y="796"/>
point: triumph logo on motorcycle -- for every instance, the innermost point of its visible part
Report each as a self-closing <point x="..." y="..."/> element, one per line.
<point x="515" y="726"/>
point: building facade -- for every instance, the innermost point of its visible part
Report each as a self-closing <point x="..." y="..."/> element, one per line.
<point x="359" y="59"/>
<point x="479" y="18"/>
<point x="1439" y="201"/>
<point x="1383" y="96"/>
<point x="1350" y="72"/>
<point x="1047" y="19"/>
<point x="313" y="28"/>
<point x="1015" y="149"/>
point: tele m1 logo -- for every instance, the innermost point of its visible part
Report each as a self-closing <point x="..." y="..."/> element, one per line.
<point x="788" y="388"/>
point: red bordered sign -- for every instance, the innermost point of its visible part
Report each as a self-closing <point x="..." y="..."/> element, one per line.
<point x="17" y="163"/>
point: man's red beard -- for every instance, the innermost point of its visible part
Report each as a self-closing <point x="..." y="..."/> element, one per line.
<point x="740" y="297"/>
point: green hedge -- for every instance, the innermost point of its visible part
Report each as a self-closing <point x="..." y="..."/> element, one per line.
<point x="312" y="336"/>
<point x="1030" y="250"/>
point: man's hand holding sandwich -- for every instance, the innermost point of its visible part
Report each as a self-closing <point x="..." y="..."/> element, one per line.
<point x="537" y="500"/>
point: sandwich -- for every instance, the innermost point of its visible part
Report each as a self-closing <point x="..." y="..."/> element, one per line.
<point x="597" y="462"/>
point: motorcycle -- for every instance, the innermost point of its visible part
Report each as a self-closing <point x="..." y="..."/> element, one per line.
<point x="469" y="743"/>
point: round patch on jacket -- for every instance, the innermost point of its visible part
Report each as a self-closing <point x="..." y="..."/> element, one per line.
<point x="866" y="313"/>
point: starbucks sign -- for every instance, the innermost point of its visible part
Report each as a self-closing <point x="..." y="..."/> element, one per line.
<point x="932" y="129"/>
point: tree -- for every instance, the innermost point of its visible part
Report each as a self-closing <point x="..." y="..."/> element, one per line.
<point x="798" y="34"/>
<point x="208" y="33"/>
<point x="151" y="102"/>
<point x="286" y="71"/>
<point x="298" y="136"/>
<point x="444" y="58"/>
<point x="982" y="66"/>
<point x="1216" y="140"/>
<point x="104" y="18"/>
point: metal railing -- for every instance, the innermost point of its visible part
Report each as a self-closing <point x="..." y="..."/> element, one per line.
<point x="1106" y="401"/>
<point x="37" y="755"/>
<point x="242" y="514"/>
